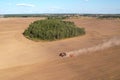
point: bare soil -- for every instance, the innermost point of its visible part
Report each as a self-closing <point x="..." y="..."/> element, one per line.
<point x="23" y="59"/>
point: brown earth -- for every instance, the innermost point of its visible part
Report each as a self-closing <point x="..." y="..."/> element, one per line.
<point x="23" y="59"/>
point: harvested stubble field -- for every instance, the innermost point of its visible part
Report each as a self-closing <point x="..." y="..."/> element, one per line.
<point x="23" y="59"/>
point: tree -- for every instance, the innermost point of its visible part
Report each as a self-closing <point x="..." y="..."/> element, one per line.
<point x="52" y="29"/>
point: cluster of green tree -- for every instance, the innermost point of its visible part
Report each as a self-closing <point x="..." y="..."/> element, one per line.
<point x="52" y="29"/>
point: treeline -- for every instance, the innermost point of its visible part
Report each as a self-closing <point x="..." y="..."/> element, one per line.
<point x="52" y="29"/>
<point x="57" y="17"/>
<point x="63" y="16"/>
<point x="102" y="17"/>
<point x="38" y="15"/>
<point x="24" y="15"/>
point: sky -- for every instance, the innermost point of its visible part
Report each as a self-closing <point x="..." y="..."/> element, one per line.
<point x="59" y="6"/>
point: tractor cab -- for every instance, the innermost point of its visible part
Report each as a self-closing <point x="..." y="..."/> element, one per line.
<point x="63" y="54"/>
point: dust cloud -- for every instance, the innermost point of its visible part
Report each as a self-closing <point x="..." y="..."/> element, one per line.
<point x="106" y="44"/>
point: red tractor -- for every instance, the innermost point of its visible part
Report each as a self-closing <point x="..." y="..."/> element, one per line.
<point x="63" y="54"/>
